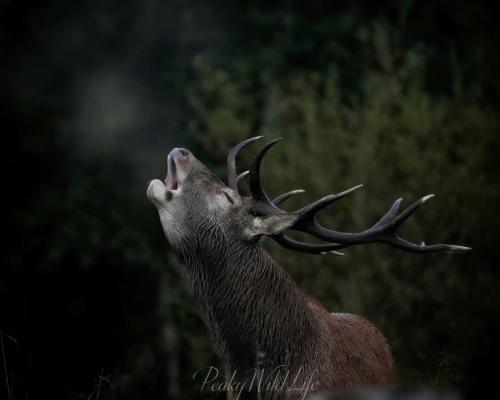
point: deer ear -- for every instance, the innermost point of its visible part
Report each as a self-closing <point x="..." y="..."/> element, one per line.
<point x="269" y="226"/>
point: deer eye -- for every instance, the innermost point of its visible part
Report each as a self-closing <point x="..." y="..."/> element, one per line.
<point x="229" y="198"/>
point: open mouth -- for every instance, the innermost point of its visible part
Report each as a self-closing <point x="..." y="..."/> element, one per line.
<point x="171" y="181"/>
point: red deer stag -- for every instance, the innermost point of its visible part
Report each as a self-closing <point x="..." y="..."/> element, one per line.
<point x="261" y="323"/>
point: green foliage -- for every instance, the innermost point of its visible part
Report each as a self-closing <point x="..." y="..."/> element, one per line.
<point x="397" y="139"/>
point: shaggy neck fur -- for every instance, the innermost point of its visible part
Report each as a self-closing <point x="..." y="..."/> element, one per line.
<point x="253" y="309"/>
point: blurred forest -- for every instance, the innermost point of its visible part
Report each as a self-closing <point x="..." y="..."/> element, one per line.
<point x="400" y="96"/>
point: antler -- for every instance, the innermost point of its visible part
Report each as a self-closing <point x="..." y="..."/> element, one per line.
<point x="232" y="177"/>
<point x="383" y="231"/>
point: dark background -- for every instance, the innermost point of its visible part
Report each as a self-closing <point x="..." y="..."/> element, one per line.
<point x="402" y="96"/>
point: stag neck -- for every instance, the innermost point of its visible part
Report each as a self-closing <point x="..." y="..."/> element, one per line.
<point x="251" y="305"/>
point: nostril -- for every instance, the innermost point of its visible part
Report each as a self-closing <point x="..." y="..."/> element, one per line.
<point x="179" y="152"/>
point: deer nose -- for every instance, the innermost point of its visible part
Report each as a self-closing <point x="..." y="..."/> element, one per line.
<point x="179" y="152"/>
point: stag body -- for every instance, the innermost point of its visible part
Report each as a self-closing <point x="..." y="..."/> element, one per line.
<point x="274" y="337"/>
<point x="253" y="308"/>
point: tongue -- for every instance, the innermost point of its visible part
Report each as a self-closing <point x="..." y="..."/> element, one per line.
<point x="171" y="180"/>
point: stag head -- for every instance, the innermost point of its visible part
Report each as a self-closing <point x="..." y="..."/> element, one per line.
<point x="196" y="208"/>
<point x="193" y="203"/>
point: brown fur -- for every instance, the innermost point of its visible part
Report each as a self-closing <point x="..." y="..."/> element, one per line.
<point x="359" y="352"/>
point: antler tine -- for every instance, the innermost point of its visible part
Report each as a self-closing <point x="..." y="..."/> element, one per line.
<point x="242" y="175"/>
<point x="232" y="178"/>
<point x="404" y="244"/>
<point x="411" y="209"/>
<point x="262" y="202"/>
<point x="285" y="196"/>
<point x="390" y="214"/>
<point x="312" y="209"/>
